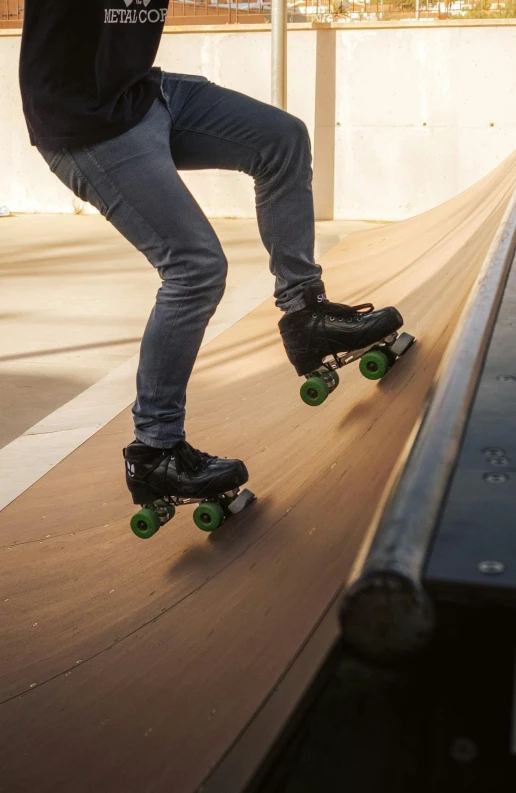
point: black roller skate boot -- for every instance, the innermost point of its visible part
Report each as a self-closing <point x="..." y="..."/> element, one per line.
<point x="161" y="480"/>
<point x="325" y="336"/>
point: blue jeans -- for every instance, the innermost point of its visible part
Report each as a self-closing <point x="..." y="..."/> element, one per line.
<point x="133" y="181"/>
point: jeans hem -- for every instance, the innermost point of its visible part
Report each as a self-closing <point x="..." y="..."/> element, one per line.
<point x="293" y="305"/>
<point x="154" y="443"/>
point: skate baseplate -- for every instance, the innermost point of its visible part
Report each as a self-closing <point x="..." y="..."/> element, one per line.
<point x="375" y="362"/>
<point x="208" y="515"/>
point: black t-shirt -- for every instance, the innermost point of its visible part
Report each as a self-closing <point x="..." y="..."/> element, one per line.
<point x="86" y="67"/>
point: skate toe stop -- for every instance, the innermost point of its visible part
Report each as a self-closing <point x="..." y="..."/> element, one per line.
<point x="244" y="498"/>
<point x="402" y="344"/>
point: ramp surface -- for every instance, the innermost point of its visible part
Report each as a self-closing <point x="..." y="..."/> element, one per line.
<point x="134" y="666"/>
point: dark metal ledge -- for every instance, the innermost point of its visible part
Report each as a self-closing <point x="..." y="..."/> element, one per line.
<point x="387" y="614"/>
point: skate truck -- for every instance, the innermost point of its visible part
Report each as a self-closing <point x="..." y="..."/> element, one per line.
<point x="209" y="515"/>
<point x="375" y="362"/>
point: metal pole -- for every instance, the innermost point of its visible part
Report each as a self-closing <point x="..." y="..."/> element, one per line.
<point x="279" y="54"/>
<point x="417" y="10"/>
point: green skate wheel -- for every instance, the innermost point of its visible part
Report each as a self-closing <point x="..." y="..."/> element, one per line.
<point x="335" y="376"/>
<point x="314" y="391"/>
<point x="208" y="516"/>
<point x="374" y="364"/>
<point x="391" y="356"/>
<point x="145" y="523"/>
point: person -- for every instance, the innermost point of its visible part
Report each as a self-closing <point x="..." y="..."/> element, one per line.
<point x="116" y="130"/>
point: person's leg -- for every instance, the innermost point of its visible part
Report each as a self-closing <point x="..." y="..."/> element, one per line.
<point x="133" y="181"/>
<point x="220" y="128"/>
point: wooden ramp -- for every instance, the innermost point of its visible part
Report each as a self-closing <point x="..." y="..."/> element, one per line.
<point x="134" y="666"/>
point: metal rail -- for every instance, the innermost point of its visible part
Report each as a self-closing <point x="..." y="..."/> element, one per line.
<point x="386" y="614"/>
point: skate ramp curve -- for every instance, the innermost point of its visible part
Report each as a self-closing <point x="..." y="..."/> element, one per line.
<point x="134" y="665"/>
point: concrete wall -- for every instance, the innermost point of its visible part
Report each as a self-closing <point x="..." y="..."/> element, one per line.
<point x="414" y="113"/>
<point x="401" y="117"/>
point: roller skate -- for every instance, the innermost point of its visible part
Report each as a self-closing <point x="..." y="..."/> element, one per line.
<point x="162" y="480"/>
<point x="324" y="337"/>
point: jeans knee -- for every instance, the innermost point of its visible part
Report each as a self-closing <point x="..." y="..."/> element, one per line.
<point x="201" y="281"/>
<point x="289" y="147"/>
<point x="217" y="273"/>
<point x="291" y="136"/>
<point x="203" y="262"/>
<point x="207" y="286"/>
<point x="298" y="133"/>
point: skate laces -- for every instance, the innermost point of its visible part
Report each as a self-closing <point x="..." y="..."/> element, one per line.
<point x="363" y="308"/>
<point x="187" y="458"/>
<point x="342" y="310"/>
<point x="327" y="313"/>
